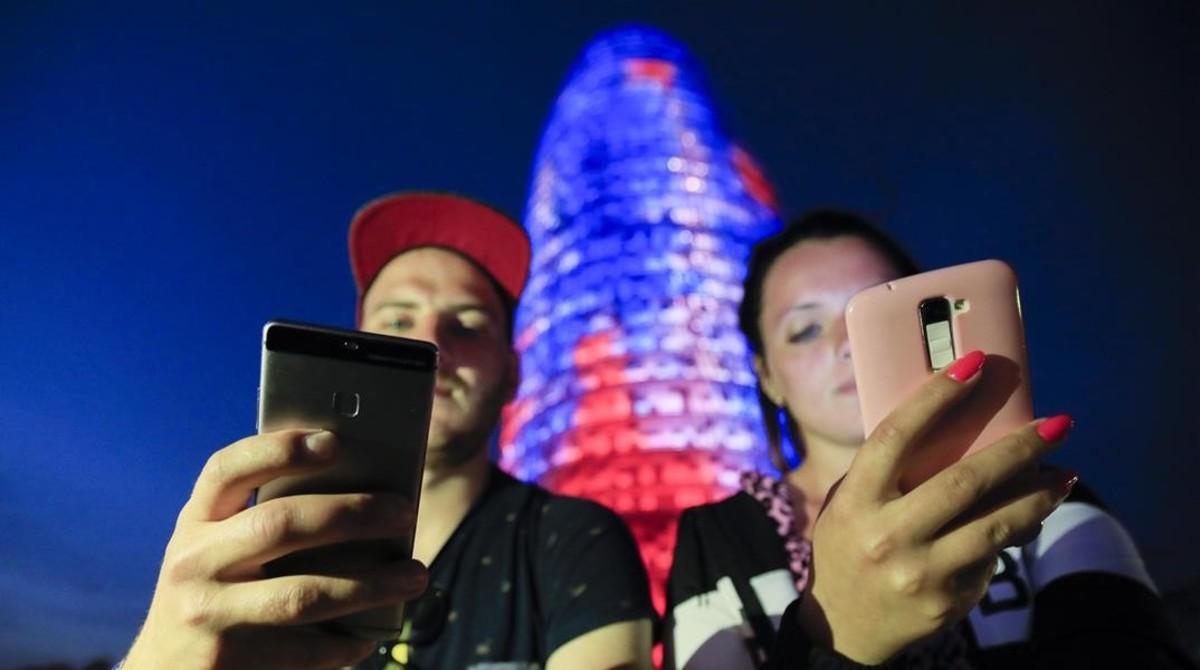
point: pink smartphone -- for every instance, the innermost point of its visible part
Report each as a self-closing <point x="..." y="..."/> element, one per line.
<point x="905" y="330"/>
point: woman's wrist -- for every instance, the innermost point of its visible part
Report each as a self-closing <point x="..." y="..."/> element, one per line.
<point x="817" y="626"/>
<point x="802" y="643"/>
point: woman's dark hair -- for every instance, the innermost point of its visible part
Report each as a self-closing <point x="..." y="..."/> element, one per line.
<point x="819" y="224"/>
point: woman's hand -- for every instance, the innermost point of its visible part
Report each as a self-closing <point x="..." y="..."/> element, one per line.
<point x="214" y="607"/>
<point x="890" y="568"/>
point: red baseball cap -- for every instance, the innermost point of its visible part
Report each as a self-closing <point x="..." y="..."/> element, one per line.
<point x="395" y="223"/>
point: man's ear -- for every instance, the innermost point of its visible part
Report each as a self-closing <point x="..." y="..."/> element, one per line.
<point x="765" y="382"/>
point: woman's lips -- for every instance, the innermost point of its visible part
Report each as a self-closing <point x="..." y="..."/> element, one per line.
<point x="847" y="388"/>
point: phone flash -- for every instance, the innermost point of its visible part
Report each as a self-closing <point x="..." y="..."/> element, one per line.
<point x="345" y="403"/>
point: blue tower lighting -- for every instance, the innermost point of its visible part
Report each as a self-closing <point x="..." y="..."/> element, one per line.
<point x="637" y="389"/>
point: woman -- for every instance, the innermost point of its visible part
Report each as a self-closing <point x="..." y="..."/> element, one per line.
<point x="897" y="572"/>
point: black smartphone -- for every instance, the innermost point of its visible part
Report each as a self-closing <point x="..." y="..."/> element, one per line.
<point x="375" y="393"/>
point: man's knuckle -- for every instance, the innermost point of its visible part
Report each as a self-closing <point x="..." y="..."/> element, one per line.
<point x="183" y="563"/>
<point x="198" y="608"/>
<point x="286" y="451"/>
<point x="351" y="509"/>
<point x="271" y="525"/>
<point x="300" y="601"/>
<point x="218" y="466"/>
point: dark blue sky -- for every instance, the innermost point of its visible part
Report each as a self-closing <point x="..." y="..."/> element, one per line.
<point x="172" y="176"/>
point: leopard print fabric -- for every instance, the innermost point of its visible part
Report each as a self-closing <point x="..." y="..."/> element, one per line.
<point x="777" y="503"/>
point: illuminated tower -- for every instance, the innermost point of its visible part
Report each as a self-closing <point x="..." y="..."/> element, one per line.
<point x="636" y="385"/>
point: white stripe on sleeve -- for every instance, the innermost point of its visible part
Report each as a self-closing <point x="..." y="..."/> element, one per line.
<point x="1079" y="537"/>
<point x="706" y="616"/>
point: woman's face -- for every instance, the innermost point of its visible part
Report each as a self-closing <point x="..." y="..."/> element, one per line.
<point x="807" y="357"/>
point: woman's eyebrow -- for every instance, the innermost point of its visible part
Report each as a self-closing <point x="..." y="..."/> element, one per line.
<point x="781" y="319"/>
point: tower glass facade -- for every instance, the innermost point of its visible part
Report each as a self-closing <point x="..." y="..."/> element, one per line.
<point x="636" y="388"/>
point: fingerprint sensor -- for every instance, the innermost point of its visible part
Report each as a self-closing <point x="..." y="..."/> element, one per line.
<point x="345" y="403"/>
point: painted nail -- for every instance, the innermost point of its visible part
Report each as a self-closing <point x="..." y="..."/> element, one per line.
<point x="966" y="367"/>
<point x="320" y="443"/>
<point x="1055" y="428"/>
<point x="1067" y="482"/>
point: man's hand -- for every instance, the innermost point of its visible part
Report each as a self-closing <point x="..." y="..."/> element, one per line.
<point x="890" y="568"/>
<point x="214" y="607"/>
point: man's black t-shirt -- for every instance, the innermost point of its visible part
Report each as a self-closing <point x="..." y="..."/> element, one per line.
<point x="525" y="572"/>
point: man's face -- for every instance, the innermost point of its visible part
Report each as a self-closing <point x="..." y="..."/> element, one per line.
<point x="438" y="296"/>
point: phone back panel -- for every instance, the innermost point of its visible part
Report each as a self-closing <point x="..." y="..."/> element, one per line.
<point x="887" y="346"/>
<point x="376" y="394"/>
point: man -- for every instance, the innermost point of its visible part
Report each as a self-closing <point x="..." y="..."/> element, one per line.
<point x="518" y="578"/>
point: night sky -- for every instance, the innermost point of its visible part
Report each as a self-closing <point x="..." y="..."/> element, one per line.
<point x="172" y="177"/>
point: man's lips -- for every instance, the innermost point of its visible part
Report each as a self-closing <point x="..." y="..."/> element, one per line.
<point x="847" y="388"/>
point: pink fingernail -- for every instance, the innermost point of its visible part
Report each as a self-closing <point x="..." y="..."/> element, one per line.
<point x="966" y="367"/>
<point x="1055" y="428"/>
